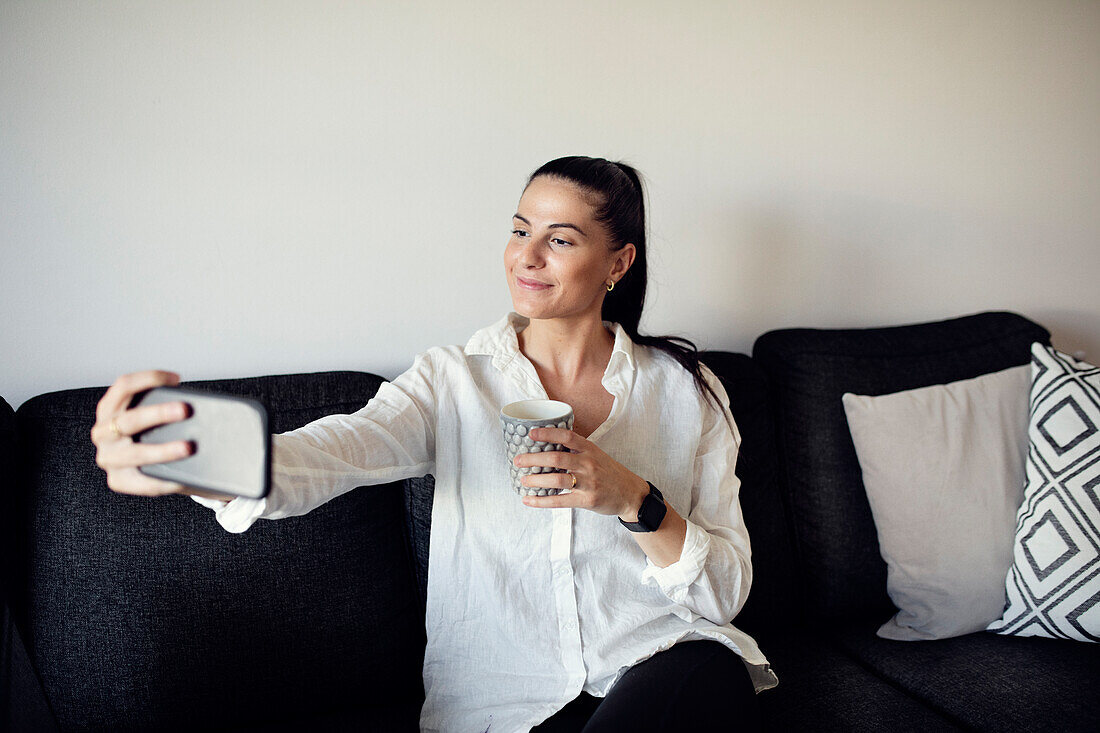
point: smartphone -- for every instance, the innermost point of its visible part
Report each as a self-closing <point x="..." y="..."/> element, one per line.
<point x="231" y="438"/>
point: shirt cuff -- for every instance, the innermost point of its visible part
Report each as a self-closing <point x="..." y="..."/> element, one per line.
<point x="675" y="579"/>
<point x="237" y="515"/>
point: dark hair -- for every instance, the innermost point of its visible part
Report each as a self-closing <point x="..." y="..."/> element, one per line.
<point x="620" y="207"/>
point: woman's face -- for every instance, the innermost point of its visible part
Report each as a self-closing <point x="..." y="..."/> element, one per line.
<point x="559" y="258"/>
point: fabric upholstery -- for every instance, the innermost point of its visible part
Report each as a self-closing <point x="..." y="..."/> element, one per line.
<point x="146" y="614"/>
<point x="419" y="493"/>
<point x="989" y="682"/>
<point x="8" y="483"/>
<point x="23" y="705"/>
<point x="822" y="689"/>
<point x="773" y="598"/>
<point x="834" y="533"/>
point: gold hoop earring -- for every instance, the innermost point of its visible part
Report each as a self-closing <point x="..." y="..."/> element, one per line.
<point x="611" y="286"/>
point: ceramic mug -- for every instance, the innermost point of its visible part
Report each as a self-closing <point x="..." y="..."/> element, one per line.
<point x="517" y="420"/>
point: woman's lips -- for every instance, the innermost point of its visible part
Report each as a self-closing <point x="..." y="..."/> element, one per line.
<point x="531" y="284"/>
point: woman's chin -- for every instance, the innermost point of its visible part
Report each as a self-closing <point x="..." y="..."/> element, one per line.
<point x="530" y="307"/>
<point x="539" y="312"/>
<point x="538" y="309"/>
<point x="527" y="311"/>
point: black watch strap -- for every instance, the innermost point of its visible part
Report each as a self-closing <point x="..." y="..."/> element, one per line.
<point x="651" y="513"/>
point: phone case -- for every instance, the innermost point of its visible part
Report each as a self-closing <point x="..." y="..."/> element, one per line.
<point x="232" y="442"/>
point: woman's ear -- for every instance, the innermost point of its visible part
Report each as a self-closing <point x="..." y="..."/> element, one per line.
<point x="624" y="258"/>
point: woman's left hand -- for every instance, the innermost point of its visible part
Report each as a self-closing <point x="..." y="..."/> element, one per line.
<point x="604" y="485"/>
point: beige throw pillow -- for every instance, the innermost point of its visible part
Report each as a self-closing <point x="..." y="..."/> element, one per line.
<point x="944" y="471"/>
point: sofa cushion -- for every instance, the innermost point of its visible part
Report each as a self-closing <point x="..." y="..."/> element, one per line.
<point x="144" y="613"/>
<point x="989" y="682"/>
<point x="809" y="370"/>
<point x="823" y="689"/>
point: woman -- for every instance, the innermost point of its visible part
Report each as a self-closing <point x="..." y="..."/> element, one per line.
<point x="604" y="607"/>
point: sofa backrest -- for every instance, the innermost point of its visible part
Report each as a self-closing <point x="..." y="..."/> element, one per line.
<point x="771" y="601"/>
<point x="7" y="486"/>
<point x="22" y="703"/>
<point x="834" y="534"/>
<point x="145" y="613"/>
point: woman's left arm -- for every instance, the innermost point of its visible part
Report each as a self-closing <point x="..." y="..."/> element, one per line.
<point x="701" y="562"/>
<point x="604" y="486"/>
<point x="713" y="575"/>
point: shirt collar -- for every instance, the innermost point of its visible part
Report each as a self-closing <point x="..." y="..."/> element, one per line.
<point x="501" y="342"/>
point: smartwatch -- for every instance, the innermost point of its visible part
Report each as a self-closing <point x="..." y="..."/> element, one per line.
<point x="651" y="513"/>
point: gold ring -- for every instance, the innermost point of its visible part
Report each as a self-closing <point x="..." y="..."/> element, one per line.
<point x="114" y="428"/>
<point x="574" y="481"/>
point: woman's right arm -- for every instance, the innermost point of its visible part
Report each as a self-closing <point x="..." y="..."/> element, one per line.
<point x="391" y="438"/>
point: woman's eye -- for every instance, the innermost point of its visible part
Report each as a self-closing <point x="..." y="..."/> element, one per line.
<point x="560" y="242"/>
<point x="519" y="233"/>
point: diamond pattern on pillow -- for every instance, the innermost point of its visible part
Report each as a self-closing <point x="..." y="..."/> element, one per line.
<point x="1053" y="586"/>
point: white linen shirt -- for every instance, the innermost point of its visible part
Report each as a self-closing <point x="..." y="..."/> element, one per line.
<point x="528" y="607"/>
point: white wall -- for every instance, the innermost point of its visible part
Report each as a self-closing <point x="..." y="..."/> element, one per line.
<point x="231" y="189"/>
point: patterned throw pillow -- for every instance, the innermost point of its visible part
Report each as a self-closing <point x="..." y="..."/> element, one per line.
<point x="1053" y="586"/>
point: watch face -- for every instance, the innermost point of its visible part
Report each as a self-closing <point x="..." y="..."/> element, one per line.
<point x="652" y="511"/>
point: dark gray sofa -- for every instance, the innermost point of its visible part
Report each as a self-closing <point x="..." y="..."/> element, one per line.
<point x="124" y="613"/>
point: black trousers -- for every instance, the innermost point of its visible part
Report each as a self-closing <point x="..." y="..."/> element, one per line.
<point x="695" y="685"/>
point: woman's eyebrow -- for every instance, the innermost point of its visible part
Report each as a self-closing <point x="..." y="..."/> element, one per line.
<point x="568" y="226"/>
<point x="563" y="225"/>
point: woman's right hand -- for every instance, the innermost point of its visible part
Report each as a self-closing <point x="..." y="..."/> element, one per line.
<point x="116" y="422"/>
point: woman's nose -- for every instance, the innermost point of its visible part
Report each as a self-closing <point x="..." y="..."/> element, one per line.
<point x="531" y="254"/>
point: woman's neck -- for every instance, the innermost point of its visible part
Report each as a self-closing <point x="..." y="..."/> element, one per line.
<point x="567" y="349"/>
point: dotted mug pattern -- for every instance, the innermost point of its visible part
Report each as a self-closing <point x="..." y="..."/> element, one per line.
<point x="517" y="440"/>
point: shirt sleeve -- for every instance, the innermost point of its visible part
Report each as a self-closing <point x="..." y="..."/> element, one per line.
<point x="391" y="438"/>
<point x="713" y="575"/>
